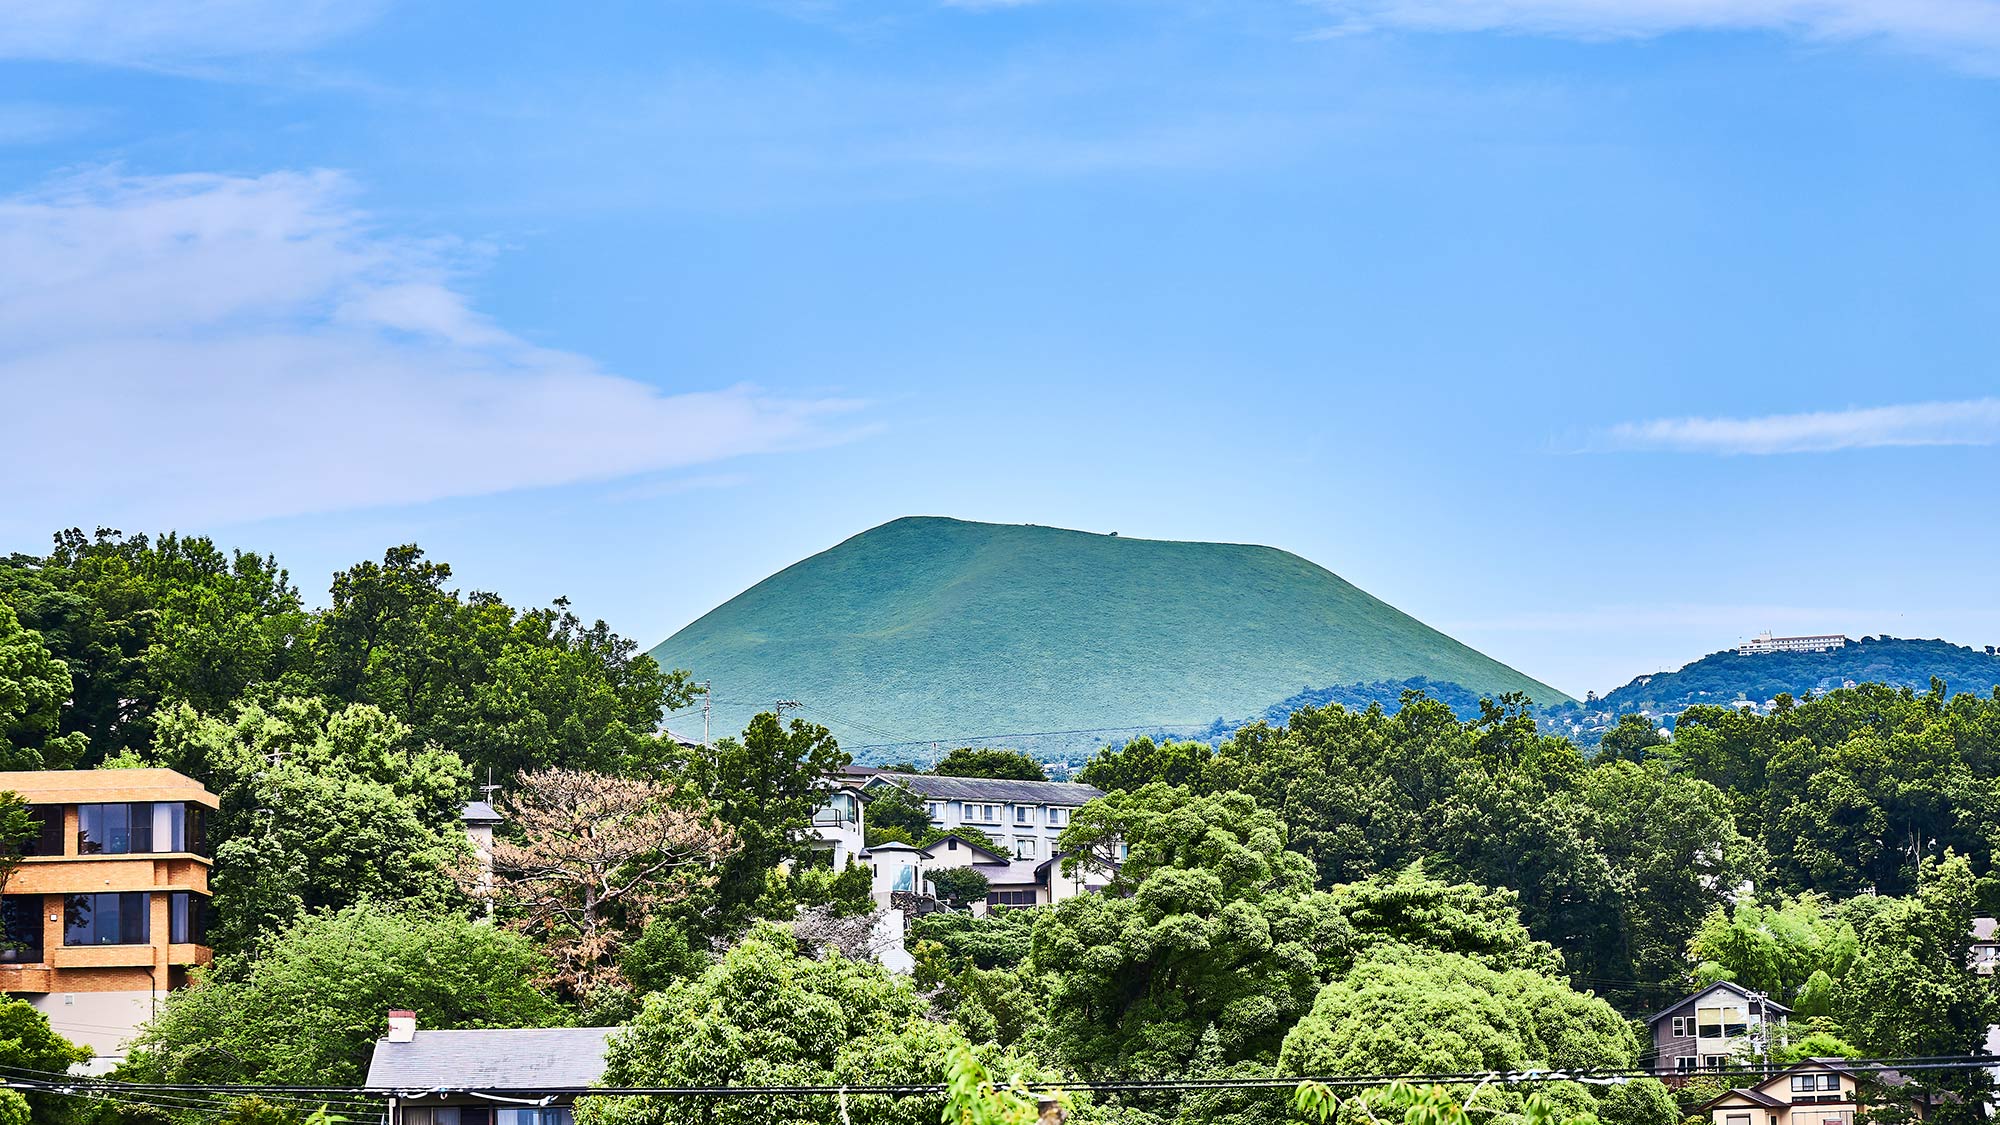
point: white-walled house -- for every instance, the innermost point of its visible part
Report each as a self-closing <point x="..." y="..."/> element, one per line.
<point x="1026" y="817"/>
<point x="1010" y="882"/>
<point x="838" y="825"/>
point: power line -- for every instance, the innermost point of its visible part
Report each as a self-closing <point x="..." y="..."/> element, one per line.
<point x="360" y="1096"/>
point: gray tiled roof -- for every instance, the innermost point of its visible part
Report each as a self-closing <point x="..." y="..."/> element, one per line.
<point x="1011" y="873"/>
<point x="479" y="812"/>
<point x="1063" y="793"/>
<point x="507" y="1058"/>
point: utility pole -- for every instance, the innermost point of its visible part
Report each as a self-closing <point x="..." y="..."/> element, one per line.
<point x="1760" y="1039"/>
<point x="707" y="696"/>
<point x="780" y="706"/>
<point x="489" y="788"/>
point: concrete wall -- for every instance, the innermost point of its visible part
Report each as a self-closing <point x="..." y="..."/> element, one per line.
<point x="101" y="1021"/>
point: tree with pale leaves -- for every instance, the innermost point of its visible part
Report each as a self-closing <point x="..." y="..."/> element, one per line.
<point x="588" y="859"/>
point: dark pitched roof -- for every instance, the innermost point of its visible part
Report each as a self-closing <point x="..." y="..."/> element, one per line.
<point x="1730" y="986"/>
<point x="479" y="812"/>
<point x="1067" y="793"/>
<point x="509" y="1058"/>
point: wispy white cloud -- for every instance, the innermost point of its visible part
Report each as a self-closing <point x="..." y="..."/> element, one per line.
<point x="1967" y="29"/>
<point x="35" y="122"/>
<point x="1966" y="422"/>
<point x="207" y="348"/>
<point x="172" y="32"/>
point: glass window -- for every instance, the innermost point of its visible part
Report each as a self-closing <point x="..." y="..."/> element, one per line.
<point x="21" y="917"/>
<point x="187" y="918"/>
<point x="1721" y="1021"/>
<point x="48" y="835"/>
<point x="1025" y="849"/>
<point x="1055" y="816"/>
<point x="108" y="919"/>
<point x="1683" y="1063"/>
<point x="141" y="826"/>
<point x="1022" y="814"/>
<point x="553" y="1115"/>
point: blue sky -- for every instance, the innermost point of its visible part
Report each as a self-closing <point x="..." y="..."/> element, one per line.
<point x="1599" y="333"/>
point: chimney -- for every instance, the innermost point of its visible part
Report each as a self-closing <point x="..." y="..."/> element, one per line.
<point x="402" y="1025"/>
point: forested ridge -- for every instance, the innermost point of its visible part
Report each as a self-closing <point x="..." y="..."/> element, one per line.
<point x="1368" y="891"/>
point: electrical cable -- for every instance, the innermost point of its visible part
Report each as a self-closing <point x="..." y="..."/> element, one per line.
<point x="350" y="1095"/>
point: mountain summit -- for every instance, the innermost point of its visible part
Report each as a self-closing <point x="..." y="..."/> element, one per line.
<point x="928" y="628"/>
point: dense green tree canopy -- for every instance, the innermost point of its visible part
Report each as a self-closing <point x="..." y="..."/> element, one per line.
<point x="28" y="1043"/>
<point x="967" y="761"/>
<point x="1849" y="791"/>
<point x="763" y="1015"/>
<point x="508" y="690"/>
<point x="1211" y="922"/>
<point x="308" y="1011"/>
<point x="320" y="808"/>
<point x="1613" y="862"/>
<point x="765" y="788"/>
<point x="1401" y="1010"/>
<point x="1912" y="992"/>
<point x="139" y="621"/>
<point x="1775" y="948"/>
<point x="34" y="686"/>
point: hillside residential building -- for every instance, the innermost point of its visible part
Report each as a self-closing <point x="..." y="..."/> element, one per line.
<point x="430" y="1075"/>
<point x="1717" y="1027"/>
<point x="1765" y="642"/>
<point x="1814" y="1092"/>
<point x="837" y="825"/>
<point x="109" y="907"/>
<point x="1025" y="816"/>
<point x="1985" y="946"/>
<point x="1010" y="882"/>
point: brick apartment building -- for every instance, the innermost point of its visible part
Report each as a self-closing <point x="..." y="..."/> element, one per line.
<point x="109" y="908"/>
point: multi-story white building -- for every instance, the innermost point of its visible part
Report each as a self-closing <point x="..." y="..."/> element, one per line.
<point x="1765" y="642"/>
<point x="1026" y="817"/>
<point x="837" y="824"/>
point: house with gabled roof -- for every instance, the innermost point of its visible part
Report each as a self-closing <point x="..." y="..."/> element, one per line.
<point x="485" y="1076"/>
<point x="1011" y="881"/>
<point x="1813" y="1092"/>
<point x="1025" y="817"/>
<point x="1719" y="1025"/>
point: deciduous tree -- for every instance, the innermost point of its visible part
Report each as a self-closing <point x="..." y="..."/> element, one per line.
<point x="588" y="859"/>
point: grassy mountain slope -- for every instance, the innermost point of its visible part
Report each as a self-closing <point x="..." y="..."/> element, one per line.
<point x="1725" y="677"/>
<point x="931" y="628"/>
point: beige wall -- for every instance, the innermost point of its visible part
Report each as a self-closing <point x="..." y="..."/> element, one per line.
<point x="101" y="1021"/>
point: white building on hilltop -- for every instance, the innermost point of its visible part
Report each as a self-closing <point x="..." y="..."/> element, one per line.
<point x="1765" y="642"/>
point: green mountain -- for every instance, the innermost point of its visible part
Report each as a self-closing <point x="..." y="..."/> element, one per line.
<point x="928" y="629"/>
<point x="1724" y="678"/>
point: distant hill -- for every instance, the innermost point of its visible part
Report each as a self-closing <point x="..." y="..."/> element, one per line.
<point x="1723" y="678"/>
<point x="928" y="628"/>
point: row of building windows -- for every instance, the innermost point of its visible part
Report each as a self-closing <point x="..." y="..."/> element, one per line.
<point x="122" y="828"/>
<point x="976" y="813"/>
<point x="482" y="1115"/>
<point x="1719" y="1022"/>
<point x="105" y="918"/>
